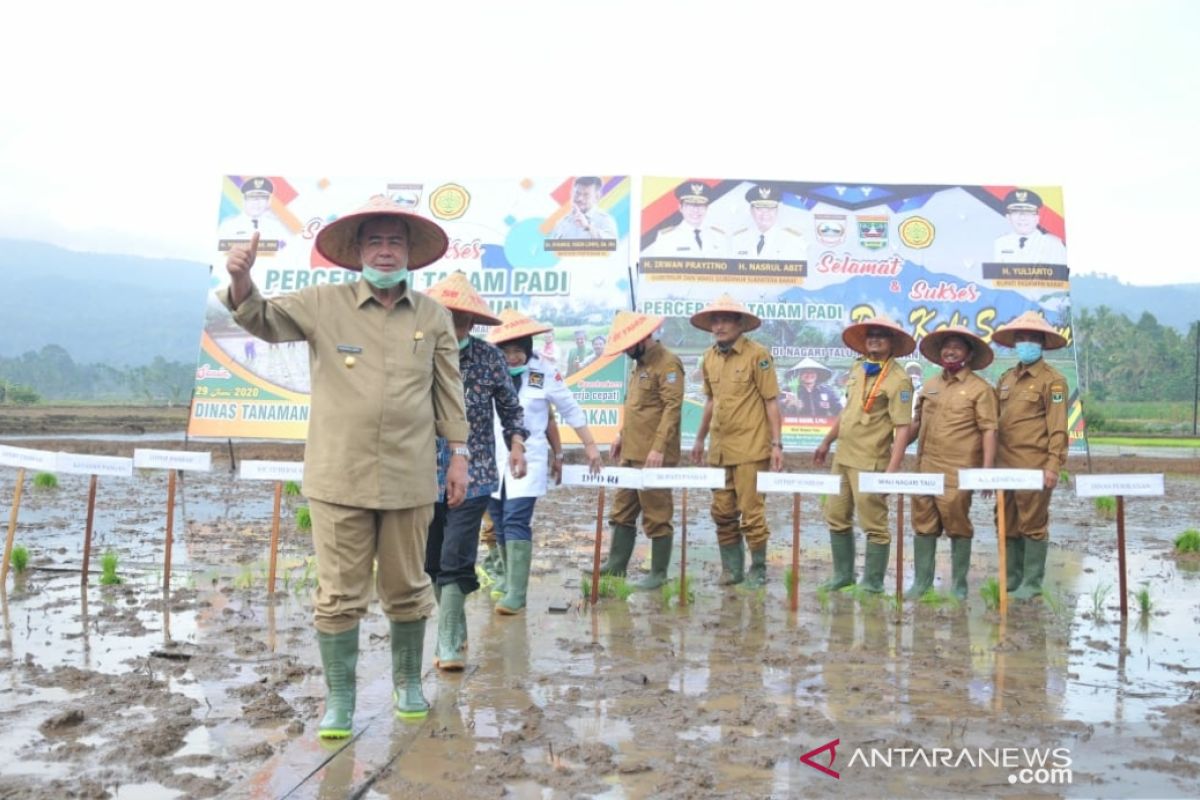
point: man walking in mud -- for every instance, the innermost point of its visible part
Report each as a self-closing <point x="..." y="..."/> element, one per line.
<point x="871" y="432"/>
<point x="385" y="382"/>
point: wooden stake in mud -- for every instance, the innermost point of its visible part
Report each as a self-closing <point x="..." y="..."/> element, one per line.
<point x="87" y="532"/>
<point x="1121" y="556"/>
<point x="12" y="525"/>
<point x="274" y="537"/>
<point x="899" y="550"/>
<point x="683" y="599"/>
<point x="794" y="598"/>
<point x="170" y="530"/>
<point x="596" y="548"/>
<point x="1003" y="550"/>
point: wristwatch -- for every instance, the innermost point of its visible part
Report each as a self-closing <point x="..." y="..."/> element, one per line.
<point x="463" y="451"/>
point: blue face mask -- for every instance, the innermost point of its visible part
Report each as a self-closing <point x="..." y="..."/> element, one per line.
<point x="872" y="367"/>
<point x="515" y="371"/>
<point x="1028" y="352"/>
<point x="463" y="342"/>
<point x="384" y="280"/>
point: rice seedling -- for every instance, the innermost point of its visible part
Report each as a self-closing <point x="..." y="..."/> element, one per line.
<point x="788" y="578"/>
<point x="245" y="578"/>
<point x="304" y="519"/>
<point x="1188" y="541"/>
<point x="1144" y="601"/>
<point x="1106" y="507"/>
<point x="824" y="599"/>
<point x="610" y="586"/>
<point x="1100" y="593"/>
<point x="935" y="599"/>
<point x="670" y="590"/>
<point x="108" y="569"/>
<point x="45" y="480"/>
<point x="1064" y="477"/>
<point x="20" y="559"/>
<point x="1056" y="604"/>
<point x="990" y="592"/>
<point x="291" y="488"/>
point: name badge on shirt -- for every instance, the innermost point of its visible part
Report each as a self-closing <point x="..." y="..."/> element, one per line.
<point x="536" y="379"/>
<point x="349" y="348"/>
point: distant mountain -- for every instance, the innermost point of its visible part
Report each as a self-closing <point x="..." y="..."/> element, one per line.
<point x="1175" y="304"/>
<point x="101" y="308"/>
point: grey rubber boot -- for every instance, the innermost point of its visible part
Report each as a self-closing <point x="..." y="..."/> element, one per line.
<point x="408" y="645"/>
<point x="339" y="657"/>
<point x="1035" y="569"/>
<point x="660" y="561"/>
<point x="451" y="630"/>
<point x="842" y="547"/>
<point x="624" y="537"/>
<point x="924" y="559"/>
<point x="1015" y="563"/>
<point x="756" y="577"/>
<point x="877" y="561"/>
<point x="733" y="564"/>
<point x="501" y="584"/>
<point x="517" y="578"/>
<point x="960" y="560"/>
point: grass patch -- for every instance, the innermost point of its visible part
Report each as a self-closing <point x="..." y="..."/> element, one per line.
<point x="291" y="488"/>
<point x="45" y="480"/>
<point x="824" y="598"/>
<point x="245" y="578"/>
<point x="1188" y="541"/>
<point x="1105" y="506"/>
<point x="1099" y="595"/>
<point x="109" y="562"/>
<point x="20" y="559"/>
<point x="788" y="579"/>
<point x="1144" y="601"/>
<point x="610" y="586"/>
<point x="671" y="591"/>
<point x="1064" y="477"/>
<point x="304" y="519"/>
<point x="990" y="592"/>
<point x="935" y="599"/>
<point x="1146" y="441"/>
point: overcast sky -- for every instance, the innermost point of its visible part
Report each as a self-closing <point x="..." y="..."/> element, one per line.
<point x="118" y="119"/>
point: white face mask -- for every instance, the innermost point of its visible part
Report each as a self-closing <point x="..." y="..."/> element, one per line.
<point x="384" y="280"/>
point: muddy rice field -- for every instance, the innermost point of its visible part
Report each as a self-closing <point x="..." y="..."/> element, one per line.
<point x="212" y="687"/>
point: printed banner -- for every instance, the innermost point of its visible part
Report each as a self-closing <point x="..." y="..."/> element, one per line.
<point x="809" y="258"/>
<point x="556" y="248"/>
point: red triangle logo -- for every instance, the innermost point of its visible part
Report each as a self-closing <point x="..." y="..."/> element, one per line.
<point x="832" y="748"/>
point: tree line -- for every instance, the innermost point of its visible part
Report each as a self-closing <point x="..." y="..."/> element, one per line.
<point x="51" y="374"/>
<point x="1122" y="360"/>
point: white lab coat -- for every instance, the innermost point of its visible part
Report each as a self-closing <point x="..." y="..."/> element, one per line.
<point x="535" y="402"/>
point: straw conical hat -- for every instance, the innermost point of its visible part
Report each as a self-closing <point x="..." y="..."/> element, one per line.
<point x="1029" y="321"/>
<point x="981" y="354"/>
<point x="514" y="325"/>
<point x="724" y="305"/>
<point x="456" y="293"/>
<point x="855" y="336"/>
<point x="629" y="328"/>
<point x="824" y="373"/>
<point x="338" y="241"/>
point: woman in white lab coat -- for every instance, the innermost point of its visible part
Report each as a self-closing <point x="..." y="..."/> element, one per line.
<point x="539" y="386"/>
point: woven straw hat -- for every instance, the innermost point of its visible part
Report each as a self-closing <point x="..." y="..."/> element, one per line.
<point x="981" y="353"/>
<point x="629" y="328"/>
<point x="456" y="293"/>
<point x="338" y="241"/>
<point x="514" y="325"/>
<point x="855" y="336"/>
<point x="1029" y="321"/>
<point x="724" y="305"/>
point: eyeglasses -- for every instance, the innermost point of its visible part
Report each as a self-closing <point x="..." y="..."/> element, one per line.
<point x="875" y="334"/>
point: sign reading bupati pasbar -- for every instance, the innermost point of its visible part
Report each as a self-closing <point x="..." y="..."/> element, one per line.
<point x="683" y="478"/>
<point x="618" y="477"/>
<point x="1118" y="485"/>
<point x="794" y="483"/>
<point x="901" y="482"/>
<point x="1005" y="479"/>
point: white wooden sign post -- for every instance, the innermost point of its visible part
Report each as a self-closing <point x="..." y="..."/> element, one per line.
<point x="171" y="460"/>
<point x="900" y="484"/>
<point x="278" y="471"/>
<point x="617" y="477"/>
<point x="1120" y="486"/>
<point x="21" y="458"/>
<point x="782" y="482"/>
<point x="684" y="478"/>
<point x="95" y="466"/>
<point x="1001" y="481"/>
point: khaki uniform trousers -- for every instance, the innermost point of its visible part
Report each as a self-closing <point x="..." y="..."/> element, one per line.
<point x="872" y="509"/>
<point x="948" y="513"/>
<point x="347" y="542"/>
<point x="1027" y="514"/>
<point x="657" y="507"/>
<point x="741" y="497"/>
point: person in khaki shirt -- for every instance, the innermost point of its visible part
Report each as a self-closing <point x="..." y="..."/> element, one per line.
<point x="649" y="437"/>
<point x="955" y="425"/>
<point x="743" y="413"/>
<point x="1032" y="435"/>
<point x="385" y="381"/>
<point x="871" y="433"/>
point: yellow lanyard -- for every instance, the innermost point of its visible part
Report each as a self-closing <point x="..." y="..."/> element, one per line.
<point x="875" y="387"/>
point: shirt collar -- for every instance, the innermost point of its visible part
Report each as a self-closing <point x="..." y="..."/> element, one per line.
<point x="1033" y="369"/>
<point x="362" y="293"/>
<point x="737" y="347"/>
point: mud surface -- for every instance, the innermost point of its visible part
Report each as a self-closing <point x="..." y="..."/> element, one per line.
<point x="213" y="688"/>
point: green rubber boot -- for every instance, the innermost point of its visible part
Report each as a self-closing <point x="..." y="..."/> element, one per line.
<point x="517" y="577"/>
<point x="660" y="561"/>
<point x="408" y="644"/>
<point x="924" y="558"/>
<point x="451" y="630"/>
<point x="1035" y="569"/>
<point x="1015" y="563"/>
<point x="877" y="561"/>
<point x="339" y="656"/>
<point x="624" y="537"/>
<point x="501" y="584"/>
<point x="842" y="547"/>
<point x="756" y="577"/>
<point x="493" y="564"/>
<point x="733" y="564"/>
<point x="960" y="565"/>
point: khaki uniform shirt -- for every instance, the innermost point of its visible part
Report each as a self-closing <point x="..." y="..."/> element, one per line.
<point x="739" y="383"/>
<point x="865" y="437"/>
<point x="653" y="406"/>
<point x="372" y="426"/>
<point x="1033" y="418"/>
<point x="954" y="411"/>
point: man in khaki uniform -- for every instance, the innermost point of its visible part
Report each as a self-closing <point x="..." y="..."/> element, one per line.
<point x="743" y="412"/>
<point x="955" y="420"/>
<point x="385" y="382"/>
<point x="1032" y="435"/>
<point x="649" y="437"/>
<point x="871" y="432"/>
